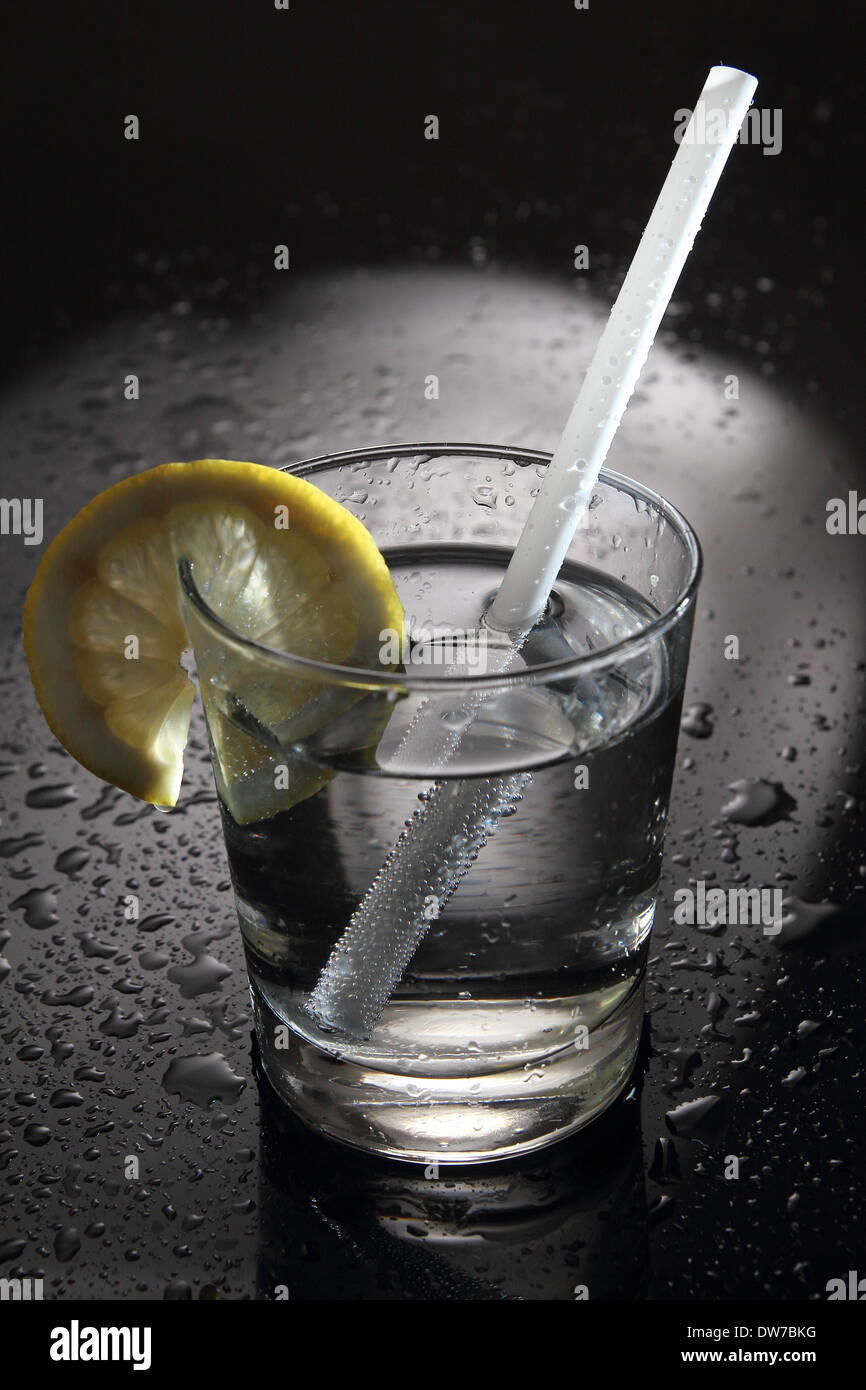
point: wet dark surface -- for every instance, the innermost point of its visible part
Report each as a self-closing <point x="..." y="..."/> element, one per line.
<point x="137" y="1157"/>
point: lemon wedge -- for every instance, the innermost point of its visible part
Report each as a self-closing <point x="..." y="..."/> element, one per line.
<point x="104" y="625"/>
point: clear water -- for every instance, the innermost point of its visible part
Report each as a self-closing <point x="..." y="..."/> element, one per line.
<point x="544" y="939"/>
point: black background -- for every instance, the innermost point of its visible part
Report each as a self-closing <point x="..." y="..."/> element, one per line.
<point x="260" y="126"/>
<point x="306" y="118"/>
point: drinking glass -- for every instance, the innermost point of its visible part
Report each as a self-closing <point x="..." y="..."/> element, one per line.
<point x="521" y="865"/>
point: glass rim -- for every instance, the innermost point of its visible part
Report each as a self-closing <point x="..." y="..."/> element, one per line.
<point x="405" y="682"/>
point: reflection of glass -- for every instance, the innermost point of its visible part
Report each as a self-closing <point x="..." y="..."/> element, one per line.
<point x="517" y="1019"/>
<point x="568" y="1223"/>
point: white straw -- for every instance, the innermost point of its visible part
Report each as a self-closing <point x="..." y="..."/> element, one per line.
<point x="440" y="843"/>
<point x="622" y="350"/>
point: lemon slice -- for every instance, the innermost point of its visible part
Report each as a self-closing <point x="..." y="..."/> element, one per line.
<point x="104" y="627"/>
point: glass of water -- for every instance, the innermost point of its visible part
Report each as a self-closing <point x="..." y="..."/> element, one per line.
<point x="447" y="938"/>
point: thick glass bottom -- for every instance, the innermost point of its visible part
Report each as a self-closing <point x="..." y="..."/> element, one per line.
<point x="473" y="1119"/>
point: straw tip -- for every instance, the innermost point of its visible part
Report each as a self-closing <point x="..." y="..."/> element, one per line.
<point x="721" y="75"/>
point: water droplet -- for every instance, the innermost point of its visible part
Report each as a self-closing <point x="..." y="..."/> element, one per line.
<point x="696" y="722"/>
<point x="704" y="1113"/>
<point x="177" y="1291"/>
<point x="72" y="861"/>
<point x="121" y="1025"/>
<point x="794" y="1077"/>
<point x="660" y="1208"/>
<point x="107" y="798"/>
<point x="46" y="798"/>
<point x="203" y="974"/>
<point x="9" y="848"/>
<point x="203" y="1079"/>
<point x="39" y="906"/>
<point x="152" y="960"/>
<point x="807" y="1027"/>
<point x="37" y="1135"/>
<point x="484" y="496"/>
<point x="665" y="1166"/>
<point x="756" y="802"/>
<point x="156" y="922"/>
<point x="76" y="998"/>
<point x="67" y="1243"/>
<point x="91" y="946"/>
<point x="65" y="1099"/>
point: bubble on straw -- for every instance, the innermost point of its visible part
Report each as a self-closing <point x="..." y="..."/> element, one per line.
<point x="417" y="880"/>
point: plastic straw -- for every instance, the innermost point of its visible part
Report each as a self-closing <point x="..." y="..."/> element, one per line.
<point x="441" y="841"/>
<point x="621" y="353"/>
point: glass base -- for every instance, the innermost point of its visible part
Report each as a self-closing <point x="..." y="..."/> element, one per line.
<point x="477" y="1119"/>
